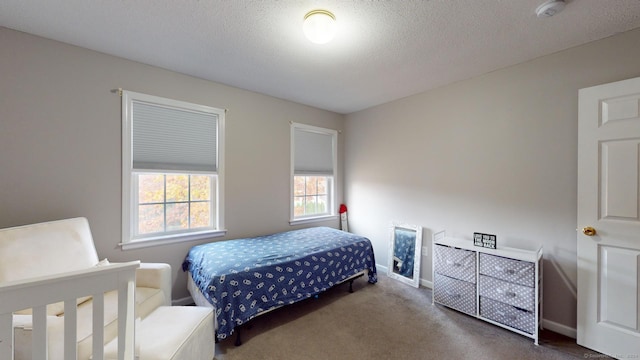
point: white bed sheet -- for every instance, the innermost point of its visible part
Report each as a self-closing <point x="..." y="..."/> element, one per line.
<point x="199" y="299"/>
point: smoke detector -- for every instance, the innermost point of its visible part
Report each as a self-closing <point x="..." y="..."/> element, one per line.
<point x="550" y="8"/>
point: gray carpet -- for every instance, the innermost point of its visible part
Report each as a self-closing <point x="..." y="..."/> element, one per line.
<point x="388" y="320"/>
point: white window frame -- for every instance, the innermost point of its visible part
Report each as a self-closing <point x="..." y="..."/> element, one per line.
<point x="332" y="181"/>
<point x="130" y="186"/>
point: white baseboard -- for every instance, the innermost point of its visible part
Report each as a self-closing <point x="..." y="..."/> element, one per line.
<point x="426" y="283"/>
<point x="382" y="269"/>
<point x="559" y="328"/>
<point x="187" y="300"/>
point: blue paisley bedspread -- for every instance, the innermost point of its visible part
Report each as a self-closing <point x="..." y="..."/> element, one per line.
<point x="245" y="277"/>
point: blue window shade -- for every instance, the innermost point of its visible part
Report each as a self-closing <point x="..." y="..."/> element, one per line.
<point x="173" y="138"/>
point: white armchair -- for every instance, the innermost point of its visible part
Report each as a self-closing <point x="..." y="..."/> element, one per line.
<point x="65" y="246"/>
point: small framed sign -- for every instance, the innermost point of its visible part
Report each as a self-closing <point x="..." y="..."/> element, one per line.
<point x="484" y="240"/>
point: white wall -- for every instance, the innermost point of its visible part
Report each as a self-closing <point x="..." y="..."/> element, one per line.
<point x="60" y="144"/>
<point x="494" y="154"/>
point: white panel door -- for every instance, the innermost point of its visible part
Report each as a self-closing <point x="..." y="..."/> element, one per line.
<point x="609" y="219"/>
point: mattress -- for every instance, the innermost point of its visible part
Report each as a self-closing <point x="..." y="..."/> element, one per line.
<point x="243" y="278"/>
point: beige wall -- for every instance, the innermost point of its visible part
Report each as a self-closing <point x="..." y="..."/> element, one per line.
<point x="60" y="144"/>
<point x="494" y="154"/>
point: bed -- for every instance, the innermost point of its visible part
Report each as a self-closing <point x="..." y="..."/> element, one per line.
<point x="245" y="278"/>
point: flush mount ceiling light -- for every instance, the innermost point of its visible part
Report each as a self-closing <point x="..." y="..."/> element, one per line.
<point x="319" y="26"/>
<point x="550" y="8"/>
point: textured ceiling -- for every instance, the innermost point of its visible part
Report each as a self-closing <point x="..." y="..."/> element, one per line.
<point x="384" y="50"/>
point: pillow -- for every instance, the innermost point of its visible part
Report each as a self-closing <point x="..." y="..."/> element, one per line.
<point x="103" y="262"/>
<point x="57" y="309"/>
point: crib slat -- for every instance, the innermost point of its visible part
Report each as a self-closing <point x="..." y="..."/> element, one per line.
<point x="126" y="319"/>
<point x="39" y="340"/>
<point x="70" y="329"/>
<point x="37" y="292"/>
<point x="98" y="326"/>
<point x="6" y="336"/>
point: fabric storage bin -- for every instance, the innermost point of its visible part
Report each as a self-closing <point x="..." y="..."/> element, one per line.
<point x="506" y="292"/>
<point x="516" y="271"/>
<point x="457" y="294"/>
<point x="455" y="263"/>
<point x="508" y="315"/>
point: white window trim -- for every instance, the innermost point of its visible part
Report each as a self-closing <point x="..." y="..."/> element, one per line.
<point x="128" y="240"/>
<point x="310" y="220"/>
<point x="333" y="206"/>
<point x="172" y="239"/>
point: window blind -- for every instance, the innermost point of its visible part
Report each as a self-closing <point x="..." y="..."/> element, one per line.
<point x="172" y="138"/>
<point x="313" y="153"/>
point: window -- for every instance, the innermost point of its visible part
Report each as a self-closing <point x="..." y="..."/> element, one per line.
<point x="311" y="195"/>
<point x="173" y="202"/>
<point x="314" y="154"/>
<point x="172" y="170"/>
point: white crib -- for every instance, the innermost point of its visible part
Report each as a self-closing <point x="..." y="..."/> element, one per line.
<point x="36" y="293"/>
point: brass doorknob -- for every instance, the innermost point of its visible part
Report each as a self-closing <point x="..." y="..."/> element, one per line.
<point x="589" y="231"/>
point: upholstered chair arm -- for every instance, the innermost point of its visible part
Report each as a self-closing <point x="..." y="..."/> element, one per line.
<point x="155" y="275"/>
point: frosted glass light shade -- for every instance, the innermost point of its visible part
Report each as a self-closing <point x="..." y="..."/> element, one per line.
<point x="319" y="26"/>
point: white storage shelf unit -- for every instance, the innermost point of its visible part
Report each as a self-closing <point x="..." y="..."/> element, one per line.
<point x="502" y="286"/>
